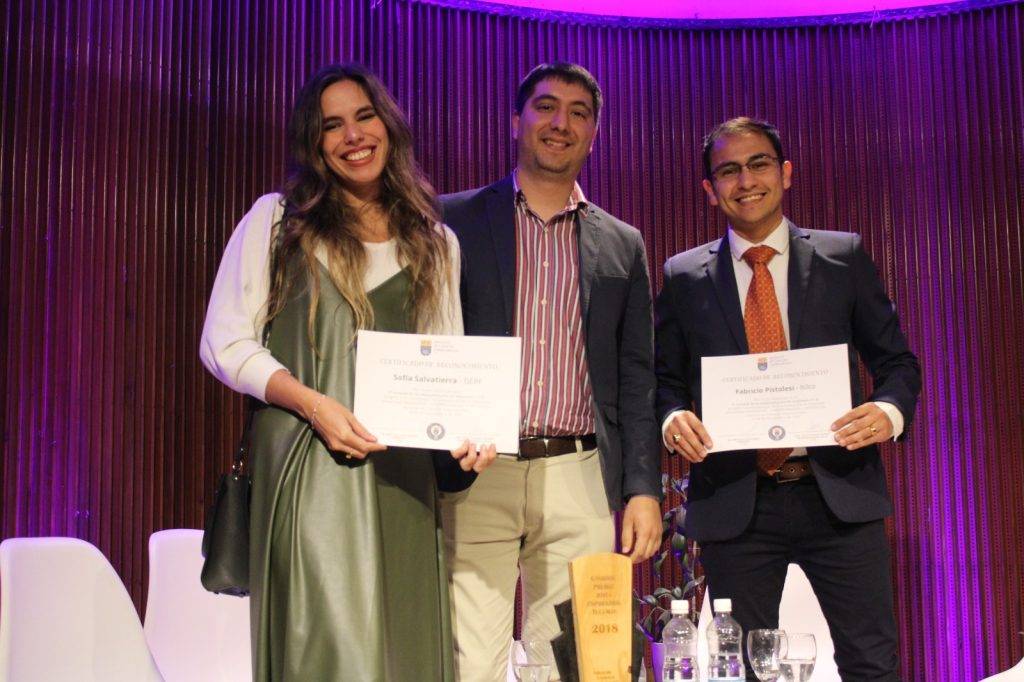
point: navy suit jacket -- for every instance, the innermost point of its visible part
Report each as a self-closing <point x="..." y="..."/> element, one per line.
<point x="615" y="298"/>
<point x="835" y="296"/>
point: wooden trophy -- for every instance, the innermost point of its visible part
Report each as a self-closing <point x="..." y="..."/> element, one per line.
<point x="602" y="586"/>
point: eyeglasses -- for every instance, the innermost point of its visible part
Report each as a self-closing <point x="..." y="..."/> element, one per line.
<point x="759" y="165"/>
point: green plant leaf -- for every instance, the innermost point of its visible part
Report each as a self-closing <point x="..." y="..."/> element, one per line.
<point x="679" y="519"/>
<point x="658" y="562"/>
<point x="647" y="625"/>
<point x="666" y="616"/>
<point x="692" y="585"/>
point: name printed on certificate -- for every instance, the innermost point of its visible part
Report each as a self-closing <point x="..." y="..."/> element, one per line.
<point x="786" y="399"/>
<point x="423" y="391"/>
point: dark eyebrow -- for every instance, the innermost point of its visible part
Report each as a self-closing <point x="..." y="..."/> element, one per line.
<point x="723" y="165"/>
<point x="552" y="98"/>
<point x="368" y="109"/>
<point x="762" y="155"/>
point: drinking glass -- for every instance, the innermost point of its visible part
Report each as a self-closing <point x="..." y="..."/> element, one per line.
<point x="536" y="661"/>
<point x="797" y="662"/>
<point x="764" y="650"/>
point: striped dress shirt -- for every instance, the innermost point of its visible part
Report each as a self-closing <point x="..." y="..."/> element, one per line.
<point x="555" y="399"/>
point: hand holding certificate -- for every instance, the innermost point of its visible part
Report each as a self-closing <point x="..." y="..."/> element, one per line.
<point x="435" y="392"/>
<point x="775" y="400"/>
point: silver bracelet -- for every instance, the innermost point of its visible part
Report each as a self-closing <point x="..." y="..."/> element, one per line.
<point x="312" y="417"/>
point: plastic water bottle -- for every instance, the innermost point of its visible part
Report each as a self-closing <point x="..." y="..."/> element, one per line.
<point x="725" y="637"/>
<point x="680" y="640"/>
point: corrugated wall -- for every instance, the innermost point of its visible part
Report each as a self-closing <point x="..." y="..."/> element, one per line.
<point x="134" y="135"/>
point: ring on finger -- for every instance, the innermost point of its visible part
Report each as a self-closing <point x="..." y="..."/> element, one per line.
<point x="676" y="438"/>
<point x="873" y="430"/>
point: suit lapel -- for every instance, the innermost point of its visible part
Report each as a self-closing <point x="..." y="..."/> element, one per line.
<point x="589" y="236"/>
<point x="719" y="269"/>
<point x="800" y="257"/>
<point x="502" y="223"/>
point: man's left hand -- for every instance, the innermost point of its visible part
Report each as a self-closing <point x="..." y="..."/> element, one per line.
<point x="473" y="458"/>
<point x="862" y="426"/>
<point x="641" y="528"/>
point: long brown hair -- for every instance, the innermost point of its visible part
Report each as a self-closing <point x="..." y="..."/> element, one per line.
<point x="316" y="214"/>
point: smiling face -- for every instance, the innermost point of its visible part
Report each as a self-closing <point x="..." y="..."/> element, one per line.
<point x="354" y="142"/>
<point x="555" y="131"/>
<point x="750" y="199"/>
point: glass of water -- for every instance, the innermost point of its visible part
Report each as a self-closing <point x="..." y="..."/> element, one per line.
<point x="764" y="650"/>
<point x="535" y="662"/>
<point x="797" y="662"/>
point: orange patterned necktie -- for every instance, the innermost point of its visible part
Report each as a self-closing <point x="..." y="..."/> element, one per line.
<point x="763" y="323"/>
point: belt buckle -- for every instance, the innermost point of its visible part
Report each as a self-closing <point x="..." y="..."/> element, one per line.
<point x="543" y="439"/>
<point x="777" y="476"/>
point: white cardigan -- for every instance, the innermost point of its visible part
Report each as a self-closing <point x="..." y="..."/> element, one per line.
<point x="231" y="347"/>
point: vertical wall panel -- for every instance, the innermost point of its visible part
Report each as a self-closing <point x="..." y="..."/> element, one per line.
<point x="135" y="135"/>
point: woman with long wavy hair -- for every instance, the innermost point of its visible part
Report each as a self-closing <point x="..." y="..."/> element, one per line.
<point x="347" y="573"/>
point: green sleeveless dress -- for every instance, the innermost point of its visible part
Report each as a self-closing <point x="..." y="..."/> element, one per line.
<point x="348" y="577"/>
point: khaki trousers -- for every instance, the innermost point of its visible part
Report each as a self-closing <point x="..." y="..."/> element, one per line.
<point x="527" y="517"/>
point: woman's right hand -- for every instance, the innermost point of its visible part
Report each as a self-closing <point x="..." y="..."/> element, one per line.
<point x="340" y="430"/>
<point x="333" y="422"/>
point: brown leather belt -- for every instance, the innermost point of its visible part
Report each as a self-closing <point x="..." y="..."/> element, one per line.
<point x="792" y="470"/>
<point x="545" y="446"/>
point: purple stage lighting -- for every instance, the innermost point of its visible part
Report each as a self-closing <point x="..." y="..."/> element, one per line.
<point x="715" y="11"/>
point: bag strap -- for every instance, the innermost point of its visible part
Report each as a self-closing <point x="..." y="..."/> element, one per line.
<point x="238" y="465"/>
<point x="251" y="406"/>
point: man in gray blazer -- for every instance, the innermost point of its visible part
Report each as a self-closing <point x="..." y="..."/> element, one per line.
<point x="543" y="263"/>
<point x="768" y="285"/>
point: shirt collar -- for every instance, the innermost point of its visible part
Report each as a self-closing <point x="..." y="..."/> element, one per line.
<point x="576" y="202"/>
<point x="778" y="239"/>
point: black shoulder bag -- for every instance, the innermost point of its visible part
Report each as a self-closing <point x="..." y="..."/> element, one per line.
<point x="226" y="537"/>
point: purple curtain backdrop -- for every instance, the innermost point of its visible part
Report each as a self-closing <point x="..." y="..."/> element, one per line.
<point x="134" y="135"/>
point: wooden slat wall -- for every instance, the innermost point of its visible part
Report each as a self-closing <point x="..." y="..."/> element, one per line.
<point x="135" y="134"/>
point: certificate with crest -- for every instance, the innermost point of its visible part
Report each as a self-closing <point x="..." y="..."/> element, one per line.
<point x="428" y="391"/>
<point x="786" y="399"/>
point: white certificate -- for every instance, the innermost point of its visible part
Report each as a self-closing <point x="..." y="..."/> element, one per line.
<point x="786" y="399"/>
<point x="421" y="391"/>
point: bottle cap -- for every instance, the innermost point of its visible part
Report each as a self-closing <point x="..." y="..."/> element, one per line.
<point x="680" y="607"/>
<point x="722" y="605"/>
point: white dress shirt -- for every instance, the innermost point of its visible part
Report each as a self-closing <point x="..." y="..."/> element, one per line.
<point x="778" y="267"/>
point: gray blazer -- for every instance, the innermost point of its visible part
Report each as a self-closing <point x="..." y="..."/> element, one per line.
<point x="615" y="298"/>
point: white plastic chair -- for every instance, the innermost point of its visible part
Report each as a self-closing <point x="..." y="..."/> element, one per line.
<point x="1014" y="674"/>
<point x="798" y="612"/>
<point x="65" y="615"/>
<point x="194" y="635"/>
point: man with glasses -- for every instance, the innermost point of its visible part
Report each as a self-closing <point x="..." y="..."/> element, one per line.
<point x="767" y="286"/>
